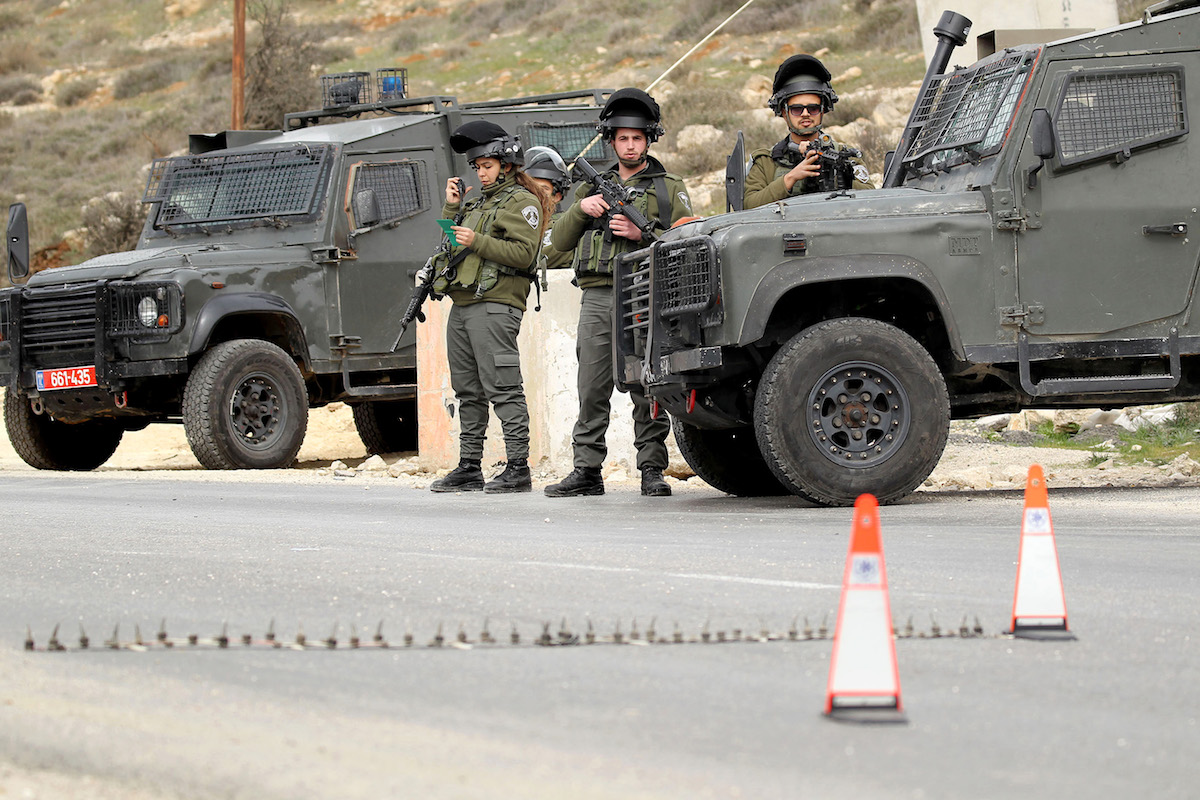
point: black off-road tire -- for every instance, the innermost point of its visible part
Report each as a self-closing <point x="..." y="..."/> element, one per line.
<point x="727" y="459"/>
<point x="245" y="407"/>
<point x="852" y="406"/>
<point x="387" y="426"/>
<point x="45" y="443"/>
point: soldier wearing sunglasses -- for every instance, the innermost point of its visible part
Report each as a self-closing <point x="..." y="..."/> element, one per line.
<point x="802" y="96"/>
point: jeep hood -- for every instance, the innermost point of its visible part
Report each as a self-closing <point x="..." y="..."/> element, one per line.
<point x="135" y="263"/>
<point x="867" y="204"/>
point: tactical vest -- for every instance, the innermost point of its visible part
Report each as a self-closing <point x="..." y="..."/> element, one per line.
<point x="467" y="268"/>
<point x="598" y="247"/>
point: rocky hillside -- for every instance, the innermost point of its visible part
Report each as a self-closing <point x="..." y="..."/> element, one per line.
<point x="92" y="90"/>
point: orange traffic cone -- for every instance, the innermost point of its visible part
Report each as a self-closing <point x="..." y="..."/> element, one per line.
<point x="1039" y="605"/>
<point x="862" y="672"/>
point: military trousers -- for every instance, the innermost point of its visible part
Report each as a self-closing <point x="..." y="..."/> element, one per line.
<point x="594" y="351"/>
<point x="485" y="367"/>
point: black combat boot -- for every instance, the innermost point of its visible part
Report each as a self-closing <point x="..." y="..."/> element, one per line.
<point x="583" y="481"/>
<point x="515" y="478"/>
<point x="653" y="484"/>
<point x="466" y="477"/>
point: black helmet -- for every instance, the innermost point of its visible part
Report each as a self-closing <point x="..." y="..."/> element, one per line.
<point x="802" y="74"/>
<point x="486" y="140"/>
<point x="630" y="108"/>
<point x="545" y="163"/>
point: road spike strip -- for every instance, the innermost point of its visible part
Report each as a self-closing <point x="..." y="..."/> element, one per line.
<point x="564" y="636"/>
<point x="863" y="674"/>
<point x="1039" y="603"/>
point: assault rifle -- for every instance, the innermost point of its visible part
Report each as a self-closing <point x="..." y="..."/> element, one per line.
<point x="837" y="166"/>
<point x="427" y="274"/>
<point x="618" y="197"/>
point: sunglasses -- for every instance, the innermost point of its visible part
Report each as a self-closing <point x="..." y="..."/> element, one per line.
<point x="799" y="108"/>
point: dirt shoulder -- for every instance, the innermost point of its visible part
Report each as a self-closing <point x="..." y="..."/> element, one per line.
<point x="973" y="461"/>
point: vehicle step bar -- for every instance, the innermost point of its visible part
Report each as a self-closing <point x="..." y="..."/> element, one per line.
<point x="1107" y="384"/>
<point x="392" y="391"/>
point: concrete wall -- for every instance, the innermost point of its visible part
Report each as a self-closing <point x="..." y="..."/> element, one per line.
<point x="990" y="15"/>
<point x="547" y="343"/>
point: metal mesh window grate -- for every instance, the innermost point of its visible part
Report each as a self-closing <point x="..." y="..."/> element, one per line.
<point x="1104" y="113"/>
<point x="399" y="187"/>
<point x="967" y="108"/>
<point x="237" y="186"/>
<point x="685" y="276"/>
<point x="571" y="140"/>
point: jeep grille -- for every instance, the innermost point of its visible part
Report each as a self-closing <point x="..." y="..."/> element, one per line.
<point x="685" y="276"/>
<point x="58" y="326"/>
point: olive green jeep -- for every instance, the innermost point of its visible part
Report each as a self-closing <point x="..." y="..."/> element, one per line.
<point x="1031" y="246"/>
<point x="270" y="277"/>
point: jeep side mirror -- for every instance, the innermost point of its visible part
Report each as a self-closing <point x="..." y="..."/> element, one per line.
<point x="18" y="242"/>
<point x="366" y="209"/>
<point x="1041" y="128"/>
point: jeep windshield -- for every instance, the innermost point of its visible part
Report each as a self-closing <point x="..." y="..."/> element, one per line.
<point x="276" y="186"/>
<point x="964" y="116"/>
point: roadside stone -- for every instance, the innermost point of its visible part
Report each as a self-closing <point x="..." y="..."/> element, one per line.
<point x="995" y="422"/>
<point x="1098" y="419"/>
<point x="373" y="464"/>
<point x="700" y="137"/>
<point x="1183" y="465"/>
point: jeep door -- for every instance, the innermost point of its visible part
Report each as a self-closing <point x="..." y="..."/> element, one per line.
<point x="391" y="202"/>
<point x="1103" y="251"/>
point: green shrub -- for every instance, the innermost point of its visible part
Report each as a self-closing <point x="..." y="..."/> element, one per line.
<point x="719" y="106"/>
<point x="75" y="91"/>
<point x="147" y="78"/>
<point x="12" y="19"/>
<point x="279" y="70"/>
<point x="852" y="107"/>
<point x="113" y="222"/>
<point x="890" y="24"/>
<point x="18" y="56"/>
<point x="20" y="90"/>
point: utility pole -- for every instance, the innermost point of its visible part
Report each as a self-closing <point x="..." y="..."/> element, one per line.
<point x="239" y="65"/>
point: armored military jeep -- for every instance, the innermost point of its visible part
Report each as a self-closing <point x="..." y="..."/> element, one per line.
<point x="1030" y="247"/>
<point x="270" y="277"/>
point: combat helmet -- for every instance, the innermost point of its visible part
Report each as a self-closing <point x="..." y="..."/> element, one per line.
<point x="801" y="74"/>
<point x="545" y="163"/>
<point x="483" y="139"/>
<point x="630" y="108"/>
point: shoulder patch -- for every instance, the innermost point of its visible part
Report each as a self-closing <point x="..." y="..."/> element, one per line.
<point x="531" y="215"/>
<point x="860" y="174"/>
<point x="687" y="203"/>
<point x="546" y="237"/>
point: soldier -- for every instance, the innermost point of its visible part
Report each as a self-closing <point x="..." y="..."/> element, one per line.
<point x="546" y="167"/>
<point x="802" y="96"/>
<point x="629" y="122"/>
<point x="488" y="279"/>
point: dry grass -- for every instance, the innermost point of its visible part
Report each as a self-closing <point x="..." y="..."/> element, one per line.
<point x="161" y="95"/>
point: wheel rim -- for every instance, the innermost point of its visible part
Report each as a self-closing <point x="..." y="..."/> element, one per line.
<point x="858" y="414"/>
<point x="257" y="412"/>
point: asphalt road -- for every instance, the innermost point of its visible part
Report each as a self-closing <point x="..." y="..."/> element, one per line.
<point x="1113" y="714"/>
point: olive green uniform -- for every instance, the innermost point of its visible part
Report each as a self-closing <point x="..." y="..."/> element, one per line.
<point x="764" y="181"/>
<point x="489" y="290"/>
<point x="664" y="200"/>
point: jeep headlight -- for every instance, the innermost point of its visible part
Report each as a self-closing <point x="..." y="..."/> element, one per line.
<point x="147" y="311"/>
<point x="144" y="309"/>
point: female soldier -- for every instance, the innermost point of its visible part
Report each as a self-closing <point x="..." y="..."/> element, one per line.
<point x="488" y="279"/>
